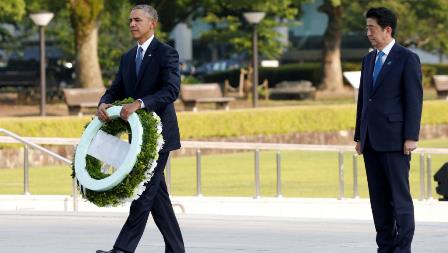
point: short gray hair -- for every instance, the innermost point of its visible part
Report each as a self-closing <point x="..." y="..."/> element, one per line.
<point x="149" y="10"/>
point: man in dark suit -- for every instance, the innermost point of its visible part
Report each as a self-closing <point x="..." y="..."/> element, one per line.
<point x="387" y="129"/>
<point x="148" y="73"/>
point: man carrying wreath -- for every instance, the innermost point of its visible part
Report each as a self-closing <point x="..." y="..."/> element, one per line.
<point x="148" y="73"/>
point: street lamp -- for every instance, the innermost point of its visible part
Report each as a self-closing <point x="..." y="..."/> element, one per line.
<point x="42" y="19"/>
<point x="254" y="18"/>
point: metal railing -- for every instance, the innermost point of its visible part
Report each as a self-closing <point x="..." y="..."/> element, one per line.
<point x="27" y="143"/>
<point x="424" y="153"/>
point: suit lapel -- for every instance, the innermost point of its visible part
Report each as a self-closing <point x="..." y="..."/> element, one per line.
<point x="131" y="70"/>
<point x="387" y="66"/>
<point x="147" y="59"/>
<point x="370" y="67"/>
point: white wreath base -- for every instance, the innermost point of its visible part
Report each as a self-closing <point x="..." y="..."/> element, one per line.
<point x="126" y="166"/>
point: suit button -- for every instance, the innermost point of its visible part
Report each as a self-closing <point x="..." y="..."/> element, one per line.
<point x="370" y="100"/>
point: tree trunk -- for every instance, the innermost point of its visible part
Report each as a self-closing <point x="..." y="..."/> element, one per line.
<point x="84" y="17"/>
<point x="331" y="52"/>
<point x="88" y="71"/>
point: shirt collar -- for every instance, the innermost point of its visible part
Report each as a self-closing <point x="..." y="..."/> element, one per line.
<point x="387" y="49"/>
<point x="145" y="44"/>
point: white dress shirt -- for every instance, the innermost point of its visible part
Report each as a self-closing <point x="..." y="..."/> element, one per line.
<point x="386" y="51"/>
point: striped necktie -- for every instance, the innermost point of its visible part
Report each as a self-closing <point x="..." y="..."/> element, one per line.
<point x="378" y="65"/>
<point x="138" y="59"/>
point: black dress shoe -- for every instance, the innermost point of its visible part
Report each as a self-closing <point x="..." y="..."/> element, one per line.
<point x="110" y="251"/>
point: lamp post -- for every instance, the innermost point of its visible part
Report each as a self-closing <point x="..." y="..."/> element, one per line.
<point x="42" y="19"/>
<point x="254" y="18"/>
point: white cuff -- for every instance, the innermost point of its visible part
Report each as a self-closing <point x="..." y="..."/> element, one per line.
<point x="142" y="105"/>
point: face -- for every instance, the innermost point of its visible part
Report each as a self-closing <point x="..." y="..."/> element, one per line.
<point x="379" y="37"/>
<point x="141" y="26"/>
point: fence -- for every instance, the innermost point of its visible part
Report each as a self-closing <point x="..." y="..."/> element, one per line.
<point x="425" y="191"/>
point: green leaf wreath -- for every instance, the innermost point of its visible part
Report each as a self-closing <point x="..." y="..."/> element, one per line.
<point x="133" y="184"/>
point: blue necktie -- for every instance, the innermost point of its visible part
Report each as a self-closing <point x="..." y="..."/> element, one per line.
<point x="138" y="59"/>
<point x="377" y="68"/>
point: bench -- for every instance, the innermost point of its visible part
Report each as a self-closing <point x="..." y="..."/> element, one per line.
<point x="26" y="83"/>
<point x="441" y="85"/>
<point x="79" y="98"/>
<point x="194" y="94"/>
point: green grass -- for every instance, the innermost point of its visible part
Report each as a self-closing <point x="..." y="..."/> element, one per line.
<point x="304" y="174"/>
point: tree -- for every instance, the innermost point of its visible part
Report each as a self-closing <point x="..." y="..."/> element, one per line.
<point x="84" y="15"/>
<point x="75" y="29"/>
<point x="172" y="13"/>
<point x="422" y="23"/>
<point x="331" y="51"/>
<point x="229" y="25"/>
<point x="10" y="12"/>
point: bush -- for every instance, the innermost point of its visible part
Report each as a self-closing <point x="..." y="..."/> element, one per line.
<point x="247" y="122"/>
<point x="311" y="72"/>
<point x="441" y="69"/>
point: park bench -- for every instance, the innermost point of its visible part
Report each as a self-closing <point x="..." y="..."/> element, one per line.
<point x="26" y="83"/>
<point x="195" y="94"/>
<point x="441" y="85"/>
<point x="79" y="98"/>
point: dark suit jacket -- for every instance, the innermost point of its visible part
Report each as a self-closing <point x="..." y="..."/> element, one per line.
<point x="157" y="84"/>
<point x="390" y="113"/>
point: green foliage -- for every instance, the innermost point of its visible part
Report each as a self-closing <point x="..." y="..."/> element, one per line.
<point x="229" y="25"/>
<point x="311" y="72"/>
<point x="441" y="69"/>
<point x="85" y="15"/>
<point x="12" y="10"/>
<point x="147" y="155"/>
<point x="249" y="122"/>
<point x="114" y="37"/>
<point x="267" y="121"/>
<point x="420" y="22"/>
<point x="190" y="80"/>
<point x="287" y="72"/>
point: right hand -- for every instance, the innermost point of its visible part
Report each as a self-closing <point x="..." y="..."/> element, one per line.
<point x="101" y="112"/>
<point x="358" y="147"/>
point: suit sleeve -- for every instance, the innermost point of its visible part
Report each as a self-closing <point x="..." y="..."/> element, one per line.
<point x="170" y="78"/>
<point x="359" y="106"/>
<point x="116" y="90"/>
<point x="413" y="97"/>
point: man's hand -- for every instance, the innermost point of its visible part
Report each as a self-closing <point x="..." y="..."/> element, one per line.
<point x="409" y="146"/>
<point x="128" y="109"/>
<point x="101" y="112"/>
<point x="358" y="147"/>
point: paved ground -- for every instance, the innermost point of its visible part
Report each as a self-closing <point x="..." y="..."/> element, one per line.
<point x="48" y="232"/>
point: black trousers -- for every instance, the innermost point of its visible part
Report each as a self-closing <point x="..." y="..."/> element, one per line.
<point x="390" y="199"/>
<point x="154" y="199"/>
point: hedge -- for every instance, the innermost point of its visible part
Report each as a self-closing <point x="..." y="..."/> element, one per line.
<point x="311" y="72"/>
<point x="245" y="122"/>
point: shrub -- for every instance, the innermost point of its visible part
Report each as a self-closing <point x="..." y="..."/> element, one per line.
<point x="246" y="122"/>
<point x="311" y="72"/>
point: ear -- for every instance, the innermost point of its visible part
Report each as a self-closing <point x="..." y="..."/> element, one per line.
<point x="388" y="30"/>
<point x="153" y="24"/>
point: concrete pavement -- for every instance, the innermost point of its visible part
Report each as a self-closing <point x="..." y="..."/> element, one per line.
<point x="324" y="208"/>
<point x="55" y="232"/>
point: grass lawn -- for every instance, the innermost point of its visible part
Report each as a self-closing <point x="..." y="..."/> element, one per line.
<point x="304" y="174"/>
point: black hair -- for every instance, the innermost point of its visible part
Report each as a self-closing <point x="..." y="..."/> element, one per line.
<point x="384" y="17"/>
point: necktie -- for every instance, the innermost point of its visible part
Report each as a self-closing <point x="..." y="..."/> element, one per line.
<point x="138" y="59"/>
<point x="378" y="65"/>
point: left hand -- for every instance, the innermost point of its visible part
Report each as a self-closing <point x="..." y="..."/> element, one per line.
<point x="128" y="109"/>
<point x="409" y="146"/>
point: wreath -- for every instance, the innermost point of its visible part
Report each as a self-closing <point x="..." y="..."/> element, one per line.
<point x="146" y="131"/>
